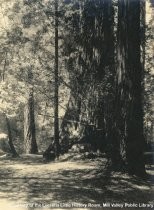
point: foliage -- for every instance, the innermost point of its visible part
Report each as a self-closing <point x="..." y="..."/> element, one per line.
<point x="99" y="80"/>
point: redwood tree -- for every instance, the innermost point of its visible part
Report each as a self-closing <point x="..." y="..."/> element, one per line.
<point x="30" y="144"/>
<point x="129" y="85"/>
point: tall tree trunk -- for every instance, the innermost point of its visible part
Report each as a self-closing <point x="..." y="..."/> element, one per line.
<point x="130" y="90"/>
<point x="13" y="150"/>
<point x="56" y="96"/>
<point x="108" y="60"/>
<point x="30" y="144"/>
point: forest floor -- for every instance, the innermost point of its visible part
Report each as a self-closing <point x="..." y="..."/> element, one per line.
<point x="29" y="183"/>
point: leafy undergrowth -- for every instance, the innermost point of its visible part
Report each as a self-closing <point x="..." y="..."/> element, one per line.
<point x="29" y="181"/>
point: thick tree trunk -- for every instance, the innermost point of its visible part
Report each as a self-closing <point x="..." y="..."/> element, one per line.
<point x="135" y="139"/>
<point x="29" y="126"/>
<point x="129" y="80"/>
<point x="12" y="148"/>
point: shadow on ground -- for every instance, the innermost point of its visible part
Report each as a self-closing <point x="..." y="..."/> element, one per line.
<point x="84" y="182"/>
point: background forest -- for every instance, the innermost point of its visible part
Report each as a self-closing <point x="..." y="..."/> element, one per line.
<point x="77" y="72"/>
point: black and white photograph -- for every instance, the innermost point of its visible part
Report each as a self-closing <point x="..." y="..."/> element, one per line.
<point x="76" y="104"/>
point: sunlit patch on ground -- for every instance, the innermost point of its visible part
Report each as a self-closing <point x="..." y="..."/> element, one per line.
<point x="27" y="183"/>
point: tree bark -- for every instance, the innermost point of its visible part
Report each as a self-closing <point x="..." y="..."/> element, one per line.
<point x="56" y="95"/>
<point x="29" y="126"/>
<point x="130" y="90"/>
<point x="13" y="150"/>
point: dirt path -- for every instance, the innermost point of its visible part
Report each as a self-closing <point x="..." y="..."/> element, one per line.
<point x="28" y="181"/>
